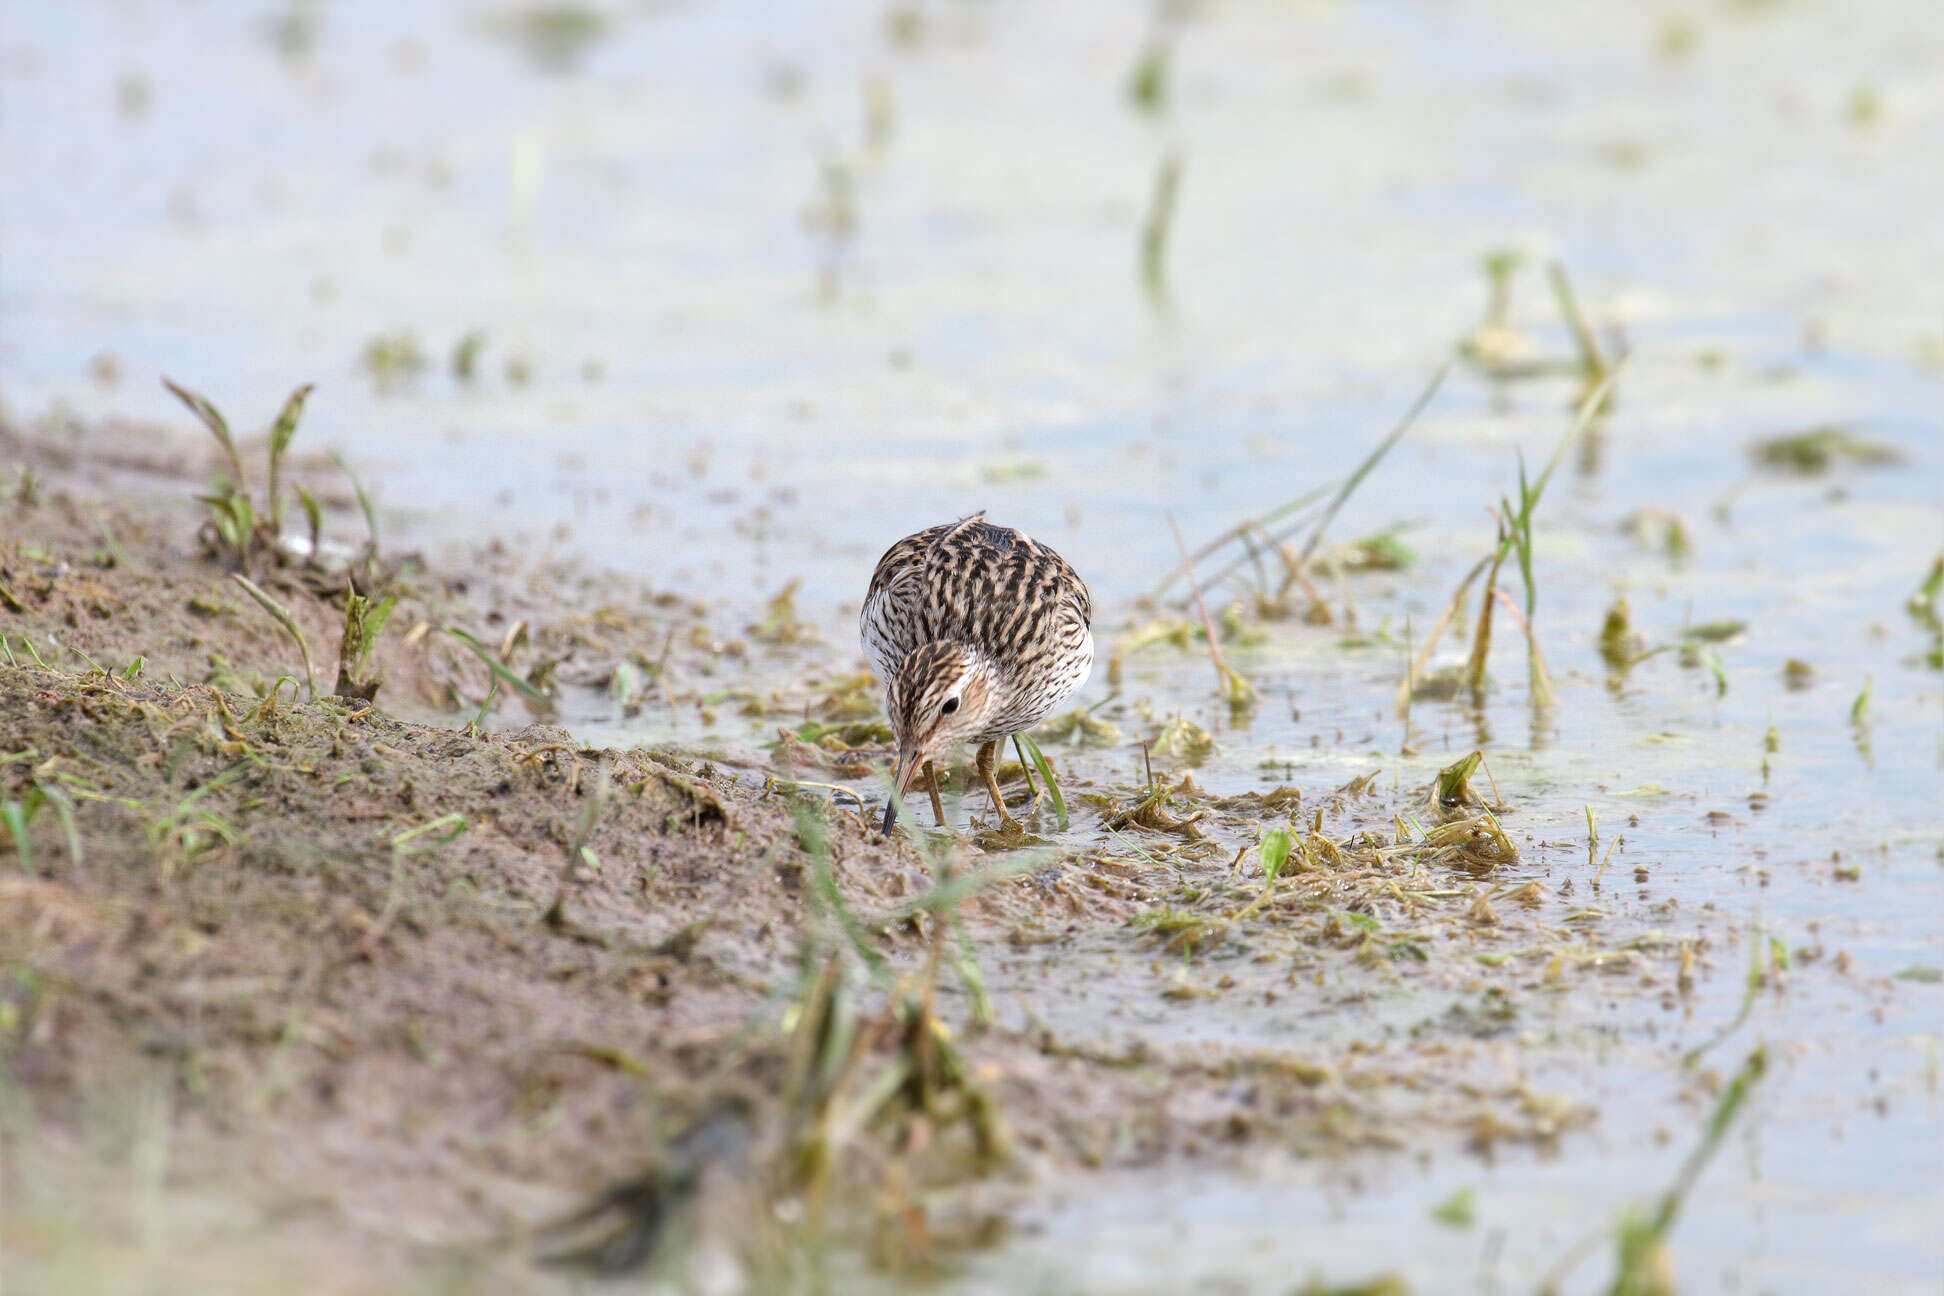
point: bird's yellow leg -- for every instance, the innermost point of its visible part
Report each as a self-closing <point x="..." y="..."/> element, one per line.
<point x="986" y="753"/>
<point x="931" y="785"/>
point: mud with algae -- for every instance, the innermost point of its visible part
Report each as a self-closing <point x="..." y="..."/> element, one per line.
<point x="362" y="985"/>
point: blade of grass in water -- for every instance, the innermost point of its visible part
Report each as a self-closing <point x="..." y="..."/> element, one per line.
<point x="1637" y="1271"/>
<point x="1046" y="772"/>
<point x="1383" y="448"/>
<point x="1330" y="511"/>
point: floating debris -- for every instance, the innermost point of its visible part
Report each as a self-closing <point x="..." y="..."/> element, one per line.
<point x="1818" y="449"/>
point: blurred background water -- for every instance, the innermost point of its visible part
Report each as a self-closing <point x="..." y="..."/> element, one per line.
<point x="760" y="288"/>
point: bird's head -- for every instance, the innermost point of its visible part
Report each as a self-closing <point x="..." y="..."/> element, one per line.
<point x="941" y="695"/>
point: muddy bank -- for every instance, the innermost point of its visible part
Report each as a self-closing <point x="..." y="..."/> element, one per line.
<point x="369" y="983"/>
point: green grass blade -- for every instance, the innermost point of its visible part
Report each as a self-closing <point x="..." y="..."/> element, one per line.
<point x="499" y="668"/>
<point x="212" y="419"/>
<point x="280" y="434"/>
<point x="364" y="500"/>
<point x="1589" y="410"/>
<point x="64" y="815"/>
<point x="1274" y="851"/>
<point x="1046" y="772"/>
<point x="15" y="816"/>
<point x="282" y="616"/>
<point x="1355" y="479"/>
<point x="408" y="843"/>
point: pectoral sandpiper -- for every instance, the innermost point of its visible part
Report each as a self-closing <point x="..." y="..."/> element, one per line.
<point x="978" y="632"/>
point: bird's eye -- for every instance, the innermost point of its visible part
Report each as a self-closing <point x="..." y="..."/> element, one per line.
<point x="951" y="705"/>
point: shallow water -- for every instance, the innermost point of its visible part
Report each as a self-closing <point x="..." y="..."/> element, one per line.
<point x="724" y="395"/>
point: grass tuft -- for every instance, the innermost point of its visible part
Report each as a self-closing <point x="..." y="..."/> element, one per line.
<point x="364" y="621"/>
<point x="237" y="530"/>
<point x="281" y="615"/>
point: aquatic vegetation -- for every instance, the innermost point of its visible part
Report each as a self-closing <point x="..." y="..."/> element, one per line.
<point x="1515" y="535"/>
<point x="555" y="34"/>
<point x="1147" y="84"/>
<point x="1155" y="228"/>
<point x="1038" y="758"/>
<point x="1641" y="1264"/>
<point x="1238" y="691"/>
<point x="1342" y="953"/>
<point x="1594" y="367"/>
<point x="1818" y="449"/>
<point x="1494" y="344"/>
<point x="1081" y="727"/>
<point x="1502" y="351"/>
<point x="1181" y="739"/>
<point x="465" y="354"/>
<point x="393" y="358"/>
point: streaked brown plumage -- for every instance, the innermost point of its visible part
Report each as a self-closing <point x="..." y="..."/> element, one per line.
<point x="978" y="632"/>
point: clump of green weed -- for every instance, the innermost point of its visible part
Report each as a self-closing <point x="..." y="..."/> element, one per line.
<point x="1820" y="448"/>
<point x="237" y="532"/>
<point x="364" y="619"/>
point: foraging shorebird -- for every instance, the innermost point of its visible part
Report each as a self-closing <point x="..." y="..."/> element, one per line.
<point x="978" y="632"/>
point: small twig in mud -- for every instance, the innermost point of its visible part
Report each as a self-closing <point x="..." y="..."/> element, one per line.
<point x="1237" y="689"/>
<point x="1498" y="799"/>
<point x="1293" y="573"/>
<point x="283" y="618"/>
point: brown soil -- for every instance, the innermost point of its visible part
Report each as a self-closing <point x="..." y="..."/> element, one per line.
<point x="305" y="982"/>
<point x="366" y="994"/>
